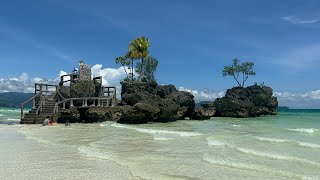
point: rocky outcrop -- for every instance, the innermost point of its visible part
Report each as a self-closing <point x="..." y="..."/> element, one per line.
<point x="251" y="101"/>
<point x="101" y="114"/>
<point x="150" y="102"/>
<point x="206" y="111"/>
<point x="72" y="115"/>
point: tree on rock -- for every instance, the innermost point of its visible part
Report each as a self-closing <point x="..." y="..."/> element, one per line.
<point x="139" y="49"/>
<point x="240" y="72"/>
<point x="149" y="68"/>
<point x="125" y="63"/>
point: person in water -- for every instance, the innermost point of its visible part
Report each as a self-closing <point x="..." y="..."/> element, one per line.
<point x="46" y="122"/>
<point x="49" y="122"/>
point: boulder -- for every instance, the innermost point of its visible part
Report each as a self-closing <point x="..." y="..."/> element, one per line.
<point x="83" y="88"/>
<point x="155" y="103"/>
<point x="72" y="115"/>
<point x="206" y="111"/>
<point x="242" y="102"/>
<point x="140" y="113"/>
<point x="101" y="114"/>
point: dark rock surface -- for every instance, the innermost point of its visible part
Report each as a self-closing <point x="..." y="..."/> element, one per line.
<point x="72" y="115"/>
<point x="155" y="103"/>
<point x="101" y="114"/>
<point x="206" y="111"/>
<point x="242" y="102"/>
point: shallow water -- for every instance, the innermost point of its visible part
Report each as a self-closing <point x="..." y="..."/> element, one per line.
<point x="286" y="146"/>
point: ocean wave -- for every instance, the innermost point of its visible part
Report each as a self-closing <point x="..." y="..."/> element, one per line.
<point x="92" y="152"/>
<point x="305" y="130"/>
<point x="300" y="143"/>
<point x="214" y="142"/>
<point x="11" y="119"/>
<point x="235" y="125"/>
<point x="10" y="110"/>
<point x="272" y="139"/>
<point x="159" y="137"/>
<point x="103" y="124"/>
<point x="246" y="166"/>
<point x="157" y="131"/>
<point x="276" y="156"/>
<point x="1" y="115"/>
<point x="307" y="144"/>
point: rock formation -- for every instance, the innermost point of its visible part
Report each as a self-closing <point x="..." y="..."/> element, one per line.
<point x="205" y="111"/>
<point x="242" y="102"/>
<point x="145" y="102"/>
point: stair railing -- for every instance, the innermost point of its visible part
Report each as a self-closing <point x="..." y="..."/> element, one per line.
<point x="39" y="109"/>
<point x="58" y="92"/>
<point x="84" y="100"/>
<point x="33" y="103"/>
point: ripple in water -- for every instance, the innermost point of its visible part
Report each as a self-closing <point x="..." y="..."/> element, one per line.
<point x="157" y="131"/>
<point x="214" y="142"/>
<point x="304" y="130"/>
<point x="276" y="156"/>
<point x="92" y="152"/>
<point x="274" y="140"/>
<point x="247" y="166"/>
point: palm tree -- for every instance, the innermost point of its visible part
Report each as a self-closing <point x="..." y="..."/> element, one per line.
<point x="139" y="49"/>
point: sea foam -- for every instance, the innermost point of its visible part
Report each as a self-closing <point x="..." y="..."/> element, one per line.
<point x="307" y="144"/>
<point x="92" y="152"/>
<point x="157" y="131"/>
<point x="247" y="166"/>
<point x="10" y="119"/>
<point x="305" y="130"/>
<point x="214" y="142"/>
<point x="276" y="156"/>
<point x="272" y="139"/>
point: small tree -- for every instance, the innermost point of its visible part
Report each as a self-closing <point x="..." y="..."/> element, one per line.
<point x="125" y="63"/>
<point x="139" y="49"/>
<point x="149" y="68"/>
<point x="236" y="69"/>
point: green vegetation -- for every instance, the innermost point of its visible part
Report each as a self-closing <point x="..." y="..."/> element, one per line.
<point x="139" y="50"/>
<point x="125" y="63"/>
<point x="149" y="68"/>
<point x="244" y="69"/>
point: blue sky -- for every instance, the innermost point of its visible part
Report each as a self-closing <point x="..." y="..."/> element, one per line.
<point x="192" y="40"/>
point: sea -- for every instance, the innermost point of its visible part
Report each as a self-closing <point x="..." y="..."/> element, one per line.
<point x="284" y="146"/>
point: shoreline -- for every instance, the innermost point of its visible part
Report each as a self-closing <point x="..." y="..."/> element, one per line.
<point x="26" y="158"/>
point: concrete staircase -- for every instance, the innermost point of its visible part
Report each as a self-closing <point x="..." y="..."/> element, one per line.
<point x="45" y="112"/>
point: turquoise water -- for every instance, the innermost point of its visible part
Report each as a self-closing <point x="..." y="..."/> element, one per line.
<point x="286" y="146"/>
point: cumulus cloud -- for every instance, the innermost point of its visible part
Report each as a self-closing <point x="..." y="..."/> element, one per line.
<point x="205" y="95"/>
<point x="297" y="20"/>
<point x="110" y="76"/>
<point x="299" y="100"/>
<point x="22" y="83"/>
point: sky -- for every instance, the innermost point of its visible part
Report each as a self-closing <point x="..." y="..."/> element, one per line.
<point x="192" y="40"/>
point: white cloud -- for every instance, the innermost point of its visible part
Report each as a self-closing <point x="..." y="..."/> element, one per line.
<point x="110" y="76"/>
<point x="205" y="95"/>
<point x="306" y="100"/>
<point x="296" y="20"/>
<point x="22" y="83"/>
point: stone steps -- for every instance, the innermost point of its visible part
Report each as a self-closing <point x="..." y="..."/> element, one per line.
<point x="47" y="111"/>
